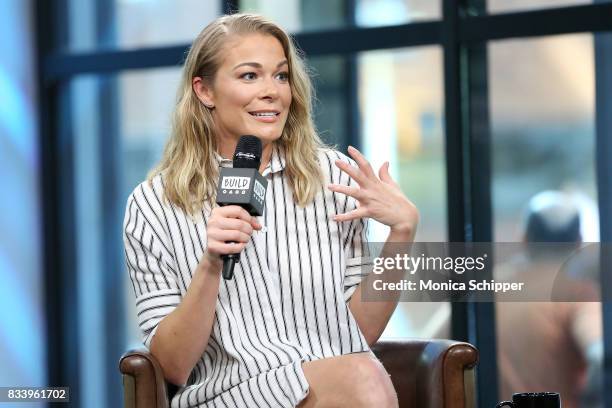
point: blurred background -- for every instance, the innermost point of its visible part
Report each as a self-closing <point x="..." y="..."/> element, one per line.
<point x="478" y="105"/>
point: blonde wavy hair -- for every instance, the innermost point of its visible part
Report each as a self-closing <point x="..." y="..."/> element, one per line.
<point x="188" y="164"/>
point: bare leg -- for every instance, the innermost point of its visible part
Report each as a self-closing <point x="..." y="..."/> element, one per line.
<point x="353" y="380"/>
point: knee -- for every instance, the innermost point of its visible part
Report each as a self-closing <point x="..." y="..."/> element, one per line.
<point x="372" y="385"/>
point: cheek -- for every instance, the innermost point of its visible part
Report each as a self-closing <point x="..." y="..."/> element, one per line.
<point x="286" y="96"/>
<point x="237" y="96"/>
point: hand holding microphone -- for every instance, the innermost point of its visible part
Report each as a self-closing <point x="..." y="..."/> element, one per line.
<point x="243" y="186"/>
<point x="229" y="231"/>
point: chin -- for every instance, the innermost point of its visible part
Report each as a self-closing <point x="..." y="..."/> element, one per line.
<point x="269" y="135"/>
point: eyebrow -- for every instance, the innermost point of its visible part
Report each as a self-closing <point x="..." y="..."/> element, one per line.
<point x="258" y="65"/>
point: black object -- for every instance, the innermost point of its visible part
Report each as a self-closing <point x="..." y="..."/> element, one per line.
<point x="242" y="185"/>
<point x="533" y="400"/>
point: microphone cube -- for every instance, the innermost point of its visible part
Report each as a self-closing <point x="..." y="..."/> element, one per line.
<point x="244" y="187"/>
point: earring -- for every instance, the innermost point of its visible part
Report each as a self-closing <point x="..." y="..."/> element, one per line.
<point x="209" y="105"/>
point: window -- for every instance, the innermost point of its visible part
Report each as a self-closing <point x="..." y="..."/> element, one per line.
<point x="543" y="152"/>
<point x="436" y="99"/>
<point x="499" y="6"/>
<point x="129" y="24"/>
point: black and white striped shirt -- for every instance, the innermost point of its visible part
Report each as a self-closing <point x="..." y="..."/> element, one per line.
<point x="286" y="304"/>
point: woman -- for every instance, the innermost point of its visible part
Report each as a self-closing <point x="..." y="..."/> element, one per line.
<point x="289" y="329"/>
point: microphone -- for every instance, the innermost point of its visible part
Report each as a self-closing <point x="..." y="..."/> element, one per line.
<point x="242" y="185"/>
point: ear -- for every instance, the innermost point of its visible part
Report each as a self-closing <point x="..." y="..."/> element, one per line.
<point x="203" y="91"/>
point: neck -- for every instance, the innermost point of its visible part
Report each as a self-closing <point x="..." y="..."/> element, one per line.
<point x="227" y="147"/>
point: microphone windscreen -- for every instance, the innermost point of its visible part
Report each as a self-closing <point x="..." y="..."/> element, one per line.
<point x="248" y="153"/>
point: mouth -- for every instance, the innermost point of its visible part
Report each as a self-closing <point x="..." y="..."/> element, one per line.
<point x="265" y="113"/>
<point x="265" y="116"/>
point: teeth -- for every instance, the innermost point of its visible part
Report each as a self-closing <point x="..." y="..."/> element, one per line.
<point x="267" y="114"/>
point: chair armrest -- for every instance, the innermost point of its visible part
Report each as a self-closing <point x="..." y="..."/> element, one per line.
<point x="430" y="373"/>
<point x="144" y="385"/>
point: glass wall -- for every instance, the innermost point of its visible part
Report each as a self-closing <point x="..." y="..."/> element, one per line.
<point x="125" y="24"/>
<point x="390" y="101"/>
<point x="330" y="79"/>
<point x="369" y="13"/>
<point x="542" y="94"/>
<point x="401" y="97"/>
<point x="311" y="15"/>
<point x="22" y="308"/>
<point x="132" y="111"/>
<point x="147" y="101"/>
<point x="542" y="121"/>
<point x="87" y="115"/>
<point x="500" y="6"/>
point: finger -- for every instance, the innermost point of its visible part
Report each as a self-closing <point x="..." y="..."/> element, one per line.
<point x="234" y="211"/>
<point x="354" y="192"/>
<point x="223" y="248"/>
<point x="255" y="224"/>
<point x="384" y="175"/>
<point x="353" y="172"/>
<point x="233" y="247"/>
<point x="351" y="215"/>
<point x="230" y="236"/>
<point x="233" y="224"/>
<point x="362" y="162"/>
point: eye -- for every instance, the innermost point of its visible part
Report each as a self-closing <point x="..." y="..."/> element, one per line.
<point x="249" y="76"/>
<point x="283" y="76"/>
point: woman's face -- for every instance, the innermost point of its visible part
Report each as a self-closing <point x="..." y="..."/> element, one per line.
<point x="251" y="93"/>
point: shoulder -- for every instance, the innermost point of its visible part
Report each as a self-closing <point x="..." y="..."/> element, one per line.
<point x="148" y="200"/>
<point x="327" y="160"/>
<point x="147" y="193"/>
<point x="330" y="154"/>
<point x="146" y="216"/>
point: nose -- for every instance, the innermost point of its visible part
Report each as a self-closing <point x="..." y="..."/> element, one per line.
<point x="269" y="89"/>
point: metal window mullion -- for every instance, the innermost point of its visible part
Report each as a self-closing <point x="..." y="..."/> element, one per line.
<point x="109" y="182"/>
<point x="230" y="6"/>
<point x="468" y="188"/>
<point x="57" y="204"/>
<point x="331" y="42"/>
<point x="352" y="124"/>
<point x="603" y="126"/>
<point x="455" y="180"/>
<point x="537" y="23"/>
<point x="482" y="330"/>
<point x="585" y="18"/>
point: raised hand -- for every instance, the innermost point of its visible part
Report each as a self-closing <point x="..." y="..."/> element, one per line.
<point x="379" y="197"/>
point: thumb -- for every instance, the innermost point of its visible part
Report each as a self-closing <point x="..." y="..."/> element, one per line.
<point x="255" y="224"/>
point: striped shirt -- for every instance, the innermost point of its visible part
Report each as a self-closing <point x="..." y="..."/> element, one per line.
<point x="286" y="304"/>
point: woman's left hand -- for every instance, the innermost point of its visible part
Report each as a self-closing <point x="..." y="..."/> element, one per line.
<point x="379" y="197"/>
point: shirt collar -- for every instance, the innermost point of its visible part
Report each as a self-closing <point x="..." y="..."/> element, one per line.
<point x="221" y="161"/>
<point x="277" y="161"/>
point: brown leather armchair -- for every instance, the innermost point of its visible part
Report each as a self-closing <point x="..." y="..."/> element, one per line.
<point x="425" y="373"/>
